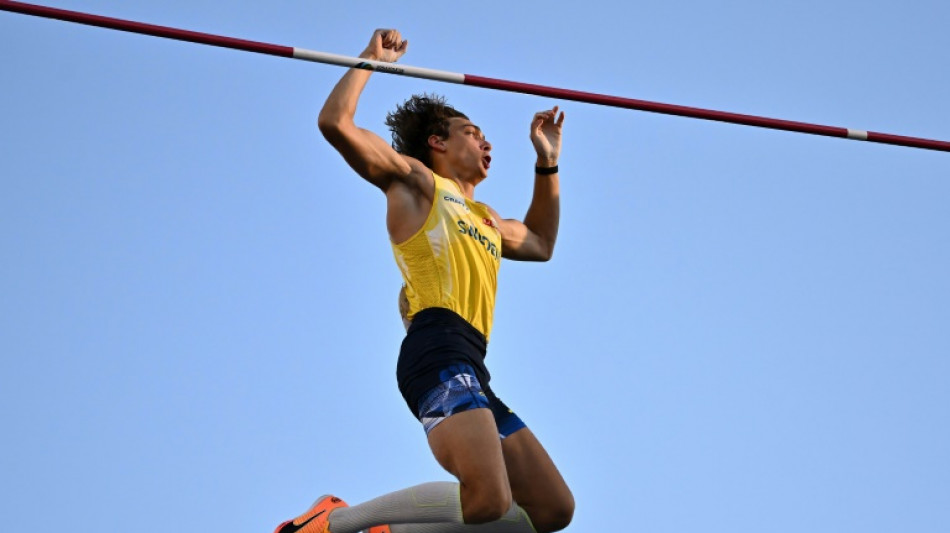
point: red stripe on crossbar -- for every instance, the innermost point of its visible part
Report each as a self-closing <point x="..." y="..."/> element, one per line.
<point x="147" y="29"/>
<point x="694" y="112"/>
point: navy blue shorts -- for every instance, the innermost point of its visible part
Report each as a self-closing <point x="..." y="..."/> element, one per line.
<point x="441" y="371"/>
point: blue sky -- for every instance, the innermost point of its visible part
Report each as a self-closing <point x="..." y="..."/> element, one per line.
<point x="742" y="330"/>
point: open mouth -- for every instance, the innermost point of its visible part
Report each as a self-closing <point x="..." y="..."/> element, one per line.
<point x="486" y="161"/>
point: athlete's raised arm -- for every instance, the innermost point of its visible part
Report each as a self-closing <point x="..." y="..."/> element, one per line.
<point x="534" y="238"/>
<point x="369" y="155"/>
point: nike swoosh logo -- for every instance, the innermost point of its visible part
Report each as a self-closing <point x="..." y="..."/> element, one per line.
<point x="294" y="528"/>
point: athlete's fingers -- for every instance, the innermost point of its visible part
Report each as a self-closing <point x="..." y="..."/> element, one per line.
<point x="550" y="115"/>
<point x="388" y="38"/>
<point x="546" y="114"/>
<point x="393" y="39"/>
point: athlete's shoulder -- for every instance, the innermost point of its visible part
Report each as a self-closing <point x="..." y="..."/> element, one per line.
<point x="490" y="209"/>
<point x="419" y="181"/>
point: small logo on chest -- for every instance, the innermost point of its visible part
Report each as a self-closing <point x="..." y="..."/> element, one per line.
<point x="456" y="201"/>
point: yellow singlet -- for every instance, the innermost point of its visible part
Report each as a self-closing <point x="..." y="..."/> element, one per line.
<point x="452" y="261"/>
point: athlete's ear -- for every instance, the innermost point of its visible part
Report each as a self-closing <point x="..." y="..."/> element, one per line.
<point x="436" y="143"/>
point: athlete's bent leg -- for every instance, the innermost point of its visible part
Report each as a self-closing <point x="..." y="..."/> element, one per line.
<point x="536" y="484"/>
<point x="466" y="444"/>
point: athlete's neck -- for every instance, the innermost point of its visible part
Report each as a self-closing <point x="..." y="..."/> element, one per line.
<point x="465" y="183"/>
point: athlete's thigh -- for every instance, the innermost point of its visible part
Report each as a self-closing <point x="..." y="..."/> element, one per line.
<point x="536" y="483"/>
<point x="467" y="445"/>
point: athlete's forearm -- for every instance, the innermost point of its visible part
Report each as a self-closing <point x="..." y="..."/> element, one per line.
<point x="340" y="107"/>
<point x="544" y="213"/>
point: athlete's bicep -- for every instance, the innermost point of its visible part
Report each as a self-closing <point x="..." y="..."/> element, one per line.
<point x="518" y="242"/>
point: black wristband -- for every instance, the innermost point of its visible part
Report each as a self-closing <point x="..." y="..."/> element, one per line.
<point x="545" y="171"/>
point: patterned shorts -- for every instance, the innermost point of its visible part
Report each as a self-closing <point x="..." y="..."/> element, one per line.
<point x="460" y="391"/>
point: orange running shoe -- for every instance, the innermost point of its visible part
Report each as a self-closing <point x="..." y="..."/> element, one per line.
<point x="379" y="529"/>
<point x="315" y="520"/>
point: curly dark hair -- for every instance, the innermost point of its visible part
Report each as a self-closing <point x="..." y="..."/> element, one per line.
<point x="415" y="120"/>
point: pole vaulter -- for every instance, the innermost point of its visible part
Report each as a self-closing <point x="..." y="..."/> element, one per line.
<point x="469" y="79"/>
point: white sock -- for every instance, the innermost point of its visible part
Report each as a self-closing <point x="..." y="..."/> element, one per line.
<point x="435" y="502"/>
<point x="427" y="508"/>
<point x="515" y="521"/>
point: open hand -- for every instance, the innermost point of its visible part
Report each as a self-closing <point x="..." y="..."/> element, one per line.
<point x="546" y="136"/>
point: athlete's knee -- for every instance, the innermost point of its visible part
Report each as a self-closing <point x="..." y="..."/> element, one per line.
<point x="555" y="516"/>
<point x="485" y="506"/>
<point x="560" y="518"/>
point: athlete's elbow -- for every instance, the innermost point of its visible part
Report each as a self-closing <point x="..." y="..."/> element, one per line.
<point x="536" y="256"/>
<point x="537" y="253"/>
<point x="333" y="120"/>
<point x="330" y="126"/>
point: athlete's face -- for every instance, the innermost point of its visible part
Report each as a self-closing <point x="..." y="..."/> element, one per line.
<point x="467" y="146"/>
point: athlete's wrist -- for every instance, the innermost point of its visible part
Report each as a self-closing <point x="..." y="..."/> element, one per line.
<point x="545" y="165"/>
<point x="368" y="54"/>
